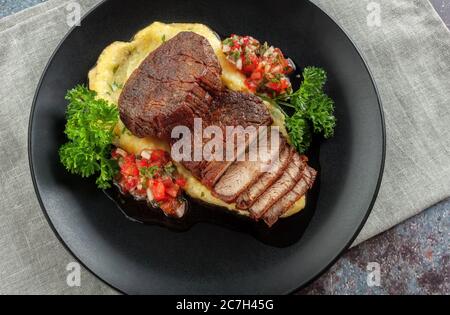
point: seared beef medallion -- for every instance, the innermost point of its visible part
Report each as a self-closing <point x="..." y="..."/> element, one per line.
<point x="171" y="87"/>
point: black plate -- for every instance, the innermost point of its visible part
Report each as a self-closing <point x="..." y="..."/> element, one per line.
<point x="209" y="259"/>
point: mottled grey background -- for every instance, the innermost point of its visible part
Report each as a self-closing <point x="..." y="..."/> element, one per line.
<point x="443" y="8"/>
<point x="414" y="255"/>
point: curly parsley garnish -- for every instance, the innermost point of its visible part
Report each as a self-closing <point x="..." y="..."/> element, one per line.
<point x="313" y="110"/>
<point x="89" y="128"/>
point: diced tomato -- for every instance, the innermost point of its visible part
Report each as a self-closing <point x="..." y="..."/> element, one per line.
<point x="180" y="181"/>
<point x="142" y="163"/>
<point x="260" y="64"/>
<point x="276" y="86"/>
<point x="285" y="84"/>
<point x="250" y="63"/>
<point x="251" y="85"/>
<point x="159" y="191"/>
<point x="173" y="190"/>
<point x="256" y="76"/>
<point x="236" y="44"/>
<point x="159" y="156"/>
<point x="129" y="183"/>
<point x="130" y="158"/>
<point x="129" y="169"/>
<point x="167" y="181"/>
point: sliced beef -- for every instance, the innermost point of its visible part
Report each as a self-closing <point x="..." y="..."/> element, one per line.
<point x="230" y="109"/>
<point x="248" y="197"/>
<point x="285" y="203"/>
<point x="242" y="174"/>
<point x="281" y="187"/>
<point x="171" y="87"/>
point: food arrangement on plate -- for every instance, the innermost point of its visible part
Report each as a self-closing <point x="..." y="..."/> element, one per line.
<point x="121" y="127"/>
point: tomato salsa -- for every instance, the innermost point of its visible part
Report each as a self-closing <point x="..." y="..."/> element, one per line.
<point x="151" y="176"/>
<point x="265" y="66"/>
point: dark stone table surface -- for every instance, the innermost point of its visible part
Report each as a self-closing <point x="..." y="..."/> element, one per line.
<point x="413" y="257"/>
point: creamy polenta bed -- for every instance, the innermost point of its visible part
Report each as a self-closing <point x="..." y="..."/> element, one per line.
<point x="134" y="82"/>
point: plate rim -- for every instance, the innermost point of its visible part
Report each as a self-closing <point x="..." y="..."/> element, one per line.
<point x="308" y="282"/>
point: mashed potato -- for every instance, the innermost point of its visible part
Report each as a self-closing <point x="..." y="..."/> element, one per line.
<point x="118" y="61"/>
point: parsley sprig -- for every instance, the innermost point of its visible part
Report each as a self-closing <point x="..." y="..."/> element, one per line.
<point x="313" y="110"/>
<point x="89" y="128"/>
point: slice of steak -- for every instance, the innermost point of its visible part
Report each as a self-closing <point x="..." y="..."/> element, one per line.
<point x="281" y="187"/>
<point x="171" y="87"/>
<point x="242" y="174"/>
<point x="248" y="197"/>
<point x="285" y="203"/>
<point x="244" y="111"/>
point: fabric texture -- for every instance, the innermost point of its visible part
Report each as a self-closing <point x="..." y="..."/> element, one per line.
<point x="409" y="55"/>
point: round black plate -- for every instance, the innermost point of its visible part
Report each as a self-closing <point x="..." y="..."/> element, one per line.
<point x="209" y="259"/>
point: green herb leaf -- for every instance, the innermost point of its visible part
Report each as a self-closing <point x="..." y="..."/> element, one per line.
<point x="115" y="86"/>
<point x="263" y="48"/>
<point x="89" y="128"/>
<point x="228" y="42"/>
<point x="318" y="106"/>
<point x="149" y="172"/>
<point x="236" y="55"/>
<point x="313" y="109"/>
<point x="170" y="169"/>
<point x="299" y="131"/>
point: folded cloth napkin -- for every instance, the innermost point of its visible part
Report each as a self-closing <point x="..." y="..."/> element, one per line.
<point x="407" y="49"/>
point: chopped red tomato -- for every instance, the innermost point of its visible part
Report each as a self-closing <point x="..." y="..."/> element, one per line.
<point x="180" y="181"/>
<point x="129" y="169"/>
<point x="250" y="63"/>
<point x="257" y="75"/>
<point x="130" y="183"/>
<point x="143" y="163"/>
<point x="130" y="158"/>
<point x="159" y="191"/>
<point x="173" y="190"/>
<point x="251" y="85"/>
<point x="150" y="176"/>
<point x="159" y="156"/>
<point x="265" y="66"/>
<point x="167" y="181"/>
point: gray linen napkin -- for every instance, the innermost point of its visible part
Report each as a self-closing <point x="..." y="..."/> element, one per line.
<point x="409" y="55"/>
